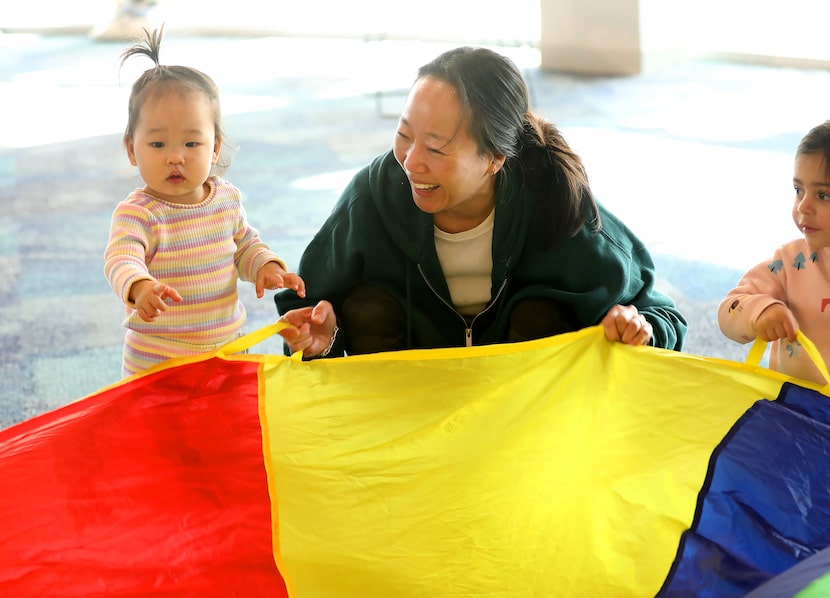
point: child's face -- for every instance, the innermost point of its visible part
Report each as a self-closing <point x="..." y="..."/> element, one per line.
<point x="811" y="210"/>
<point x="174" y="146"/>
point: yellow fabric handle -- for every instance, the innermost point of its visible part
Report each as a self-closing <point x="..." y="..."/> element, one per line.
<point x="759" y="346"/>
<point x="243" y="343"/>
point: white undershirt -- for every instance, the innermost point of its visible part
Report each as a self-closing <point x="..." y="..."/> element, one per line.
<point x="467" y="261"/>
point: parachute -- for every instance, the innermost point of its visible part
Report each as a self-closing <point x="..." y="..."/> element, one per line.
<point x="566" y="466"/>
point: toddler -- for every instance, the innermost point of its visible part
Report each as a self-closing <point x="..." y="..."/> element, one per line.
<point x="791" y="291"/>
<point x="178" y="245"/>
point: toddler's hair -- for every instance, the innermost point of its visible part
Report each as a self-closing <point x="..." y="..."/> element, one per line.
<point x="162" y="79"/>
<point x="817" y="141"/>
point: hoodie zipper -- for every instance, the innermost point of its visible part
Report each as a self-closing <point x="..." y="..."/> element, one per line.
<point x="468" y="329"/>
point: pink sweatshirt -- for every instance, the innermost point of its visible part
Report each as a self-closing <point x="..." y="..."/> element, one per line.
<point x="797" y="278"/>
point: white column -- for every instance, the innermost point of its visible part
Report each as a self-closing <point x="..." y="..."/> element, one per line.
<point x="610" y="37"/>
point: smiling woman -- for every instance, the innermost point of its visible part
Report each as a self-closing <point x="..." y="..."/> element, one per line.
<point x="474" y="229"/>
<point x="450" y="179"/>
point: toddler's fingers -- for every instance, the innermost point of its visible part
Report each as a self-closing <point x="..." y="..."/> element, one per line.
<point x="300" y="287"/>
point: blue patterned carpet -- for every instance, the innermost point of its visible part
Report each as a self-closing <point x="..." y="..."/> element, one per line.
<point x="696" y="158"/>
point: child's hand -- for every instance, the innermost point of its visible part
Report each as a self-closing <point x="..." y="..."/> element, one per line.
<point x="776" y="321"/>
<point x="149" y="297"/>
<point x="272" y="276"/>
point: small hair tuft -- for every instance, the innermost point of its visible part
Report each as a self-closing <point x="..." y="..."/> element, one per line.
<point x="150" y="46"/>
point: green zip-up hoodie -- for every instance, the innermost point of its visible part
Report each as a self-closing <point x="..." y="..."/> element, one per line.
<point x="376" y="234"/>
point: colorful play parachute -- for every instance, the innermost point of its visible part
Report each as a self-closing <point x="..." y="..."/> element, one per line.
<point x="568" y="466"/>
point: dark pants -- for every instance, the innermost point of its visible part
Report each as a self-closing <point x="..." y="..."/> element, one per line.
<point x="374" y="321"/>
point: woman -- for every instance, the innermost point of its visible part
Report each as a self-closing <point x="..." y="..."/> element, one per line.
<point x="478" y="227"/>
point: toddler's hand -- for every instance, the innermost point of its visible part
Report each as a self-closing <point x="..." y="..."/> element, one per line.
<point x="271" y="276"/>
<point x="776" y="321"/>
<point x="150" y="296"/>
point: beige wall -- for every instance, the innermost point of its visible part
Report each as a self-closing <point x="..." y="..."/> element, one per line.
<point x="610" y="37"/>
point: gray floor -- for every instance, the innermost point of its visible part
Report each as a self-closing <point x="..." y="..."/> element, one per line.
<point x="697" y="158"/>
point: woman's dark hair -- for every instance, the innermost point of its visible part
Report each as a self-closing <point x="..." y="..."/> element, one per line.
<point x="494" y="97"/>
<point x="817" y="141"/>
<point x="162" y="79"/>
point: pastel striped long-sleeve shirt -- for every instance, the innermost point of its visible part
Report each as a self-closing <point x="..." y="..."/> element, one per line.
<point x="200" y="250"/>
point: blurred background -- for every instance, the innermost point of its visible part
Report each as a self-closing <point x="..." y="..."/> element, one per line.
<point x="765" y="30"/>
<point x="687" y="115"/>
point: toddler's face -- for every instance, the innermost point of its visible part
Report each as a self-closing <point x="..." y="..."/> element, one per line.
<point x="174" y="146"/>
<point x="811" y="209"/>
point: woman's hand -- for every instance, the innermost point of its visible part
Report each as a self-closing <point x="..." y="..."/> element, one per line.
<point x="624" y="324"/>
<point x="313" y="329"/>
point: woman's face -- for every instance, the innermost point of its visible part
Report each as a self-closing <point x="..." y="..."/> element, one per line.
<point x="448" y="176"/>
